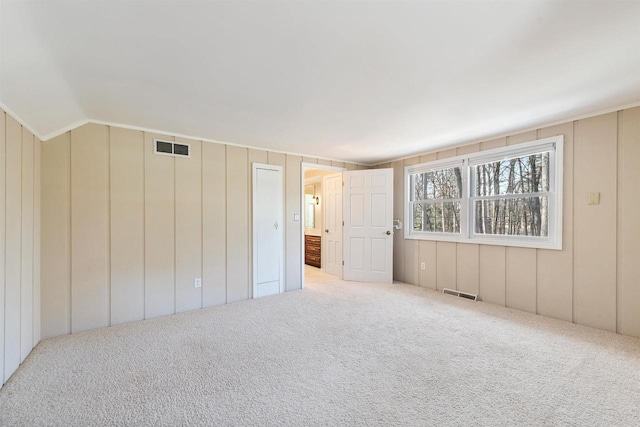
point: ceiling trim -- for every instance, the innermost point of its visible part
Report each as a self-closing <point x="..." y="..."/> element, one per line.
<point x="515" y="132"/>
<point x="77" y="124"/>
<point x="214" y="141"/>
<point x="19" y="120"/>
<point x="70" y="127"/>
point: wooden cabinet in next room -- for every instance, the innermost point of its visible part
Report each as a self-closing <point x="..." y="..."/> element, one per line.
<point x="312" y="250"/>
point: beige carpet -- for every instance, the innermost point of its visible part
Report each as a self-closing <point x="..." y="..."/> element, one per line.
<point x="336" y="353"/>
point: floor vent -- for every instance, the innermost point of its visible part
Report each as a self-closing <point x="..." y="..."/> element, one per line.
<point x="455" y="293"/>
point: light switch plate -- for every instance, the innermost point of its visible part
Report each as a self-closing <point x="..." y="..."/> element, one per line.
<point x="423" y="266"/>
<point x="197" y="283"/>
<point x="593" y="198"/>
<point x="296" y="217"/>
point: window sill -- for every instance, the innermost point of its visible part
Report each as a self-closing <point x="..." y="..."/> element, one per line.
<point x="490" y="241"/>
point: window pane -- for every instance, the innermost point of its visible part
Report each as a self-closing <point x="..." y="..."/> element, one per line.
<point x="437" y="184"/>
<point x="437" y="217"/>
<point x="519" y="175"/>
<point x="514" y="217"/>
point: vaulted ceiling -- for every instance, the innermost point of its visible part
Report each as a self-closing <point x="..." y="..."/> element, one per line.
<point x="358" y="81"/>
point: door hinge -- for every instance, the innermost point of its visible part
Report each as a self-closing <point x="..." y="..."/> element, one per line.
<point x="342" y="262"/>
<point x="343" y="223"/>
<point x="343" y="183"/>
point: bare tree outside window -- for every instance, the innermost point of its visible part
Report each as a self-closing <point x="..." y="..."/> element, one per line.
<point x="507" y="196"/>
<point x="437" y="195"/>
<point x="512" y="196"/>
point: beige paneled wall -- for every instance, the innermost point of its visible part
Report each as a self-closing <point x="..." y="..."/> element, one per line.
<point x="19" y="244"/>
<point x="90" y="242"/>
<point x="595" y="279"/>
<point x="125" y="231"/>
<point x="126" y="154"/>
<point x="628" y="223"/>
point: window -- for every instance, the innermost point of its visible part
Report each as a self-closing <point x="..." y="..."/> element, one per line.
<point x="508" y="196"/>
<point x="436" y="198"/>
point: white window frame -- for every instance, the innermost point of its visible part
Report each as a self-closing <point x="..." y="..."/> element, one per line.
<point x="554" y="145"/>
<point x="433" y="166"/>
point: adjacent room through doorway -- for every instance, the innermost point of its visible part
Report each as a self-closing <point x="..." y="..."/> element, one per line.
<point x="319" y="224"/>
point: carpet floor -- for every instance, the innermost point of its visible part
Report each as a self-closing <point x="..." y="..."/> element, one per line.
<point x="336" y="353"/>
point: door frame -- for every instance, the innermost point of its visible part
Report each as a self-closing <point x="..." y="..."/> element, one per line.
<point x="280" y="170"/>
<point x="303" y="166"/>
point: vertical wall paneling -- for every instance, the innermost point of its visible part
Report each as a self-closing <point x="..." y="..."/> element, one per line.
<point x="411" y="260"/>
<point x="629" y="222"/>
<point x="428" y="276"/>
<point x="493" y="143"/>
<point x="398" y="213"/>
<point x="293" y="237"/>
<point x="468" y="268"/>
<point x="19" y="244"/>
<point x="521" y="279"/>
<point x="159" y="230"/>
<point x="466" y="149"/>
<point x="214" y="225"/>
<point x="278" y="159"/>
<point x="188" y="175"/>
<point x="26" y="258"/>
<point x="37" y="197"/>
<point x="309" y="160"/>
<point x="493" y="274"/>
<point x="522" y="137"/>
<point x="3" y="147"/>
<point x="428" y="157"/>
<point x="595" y="160"/>
<point x="337" y="164"/>
<point x="56" y="237"/>
<point x="13" y="248"/>
<point x="237" y="224"/>
<point x="555" y="268"/>
<point x="446" y="265"/>
<point x="324" y="162"/>
<point x="447" y="153"/>
<point x="127" y="225"/>
<point x="90" y="306"/>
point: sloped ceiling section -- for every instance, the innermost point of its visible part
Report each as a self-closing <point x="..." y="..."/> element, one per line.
<point x="356" y="81"/>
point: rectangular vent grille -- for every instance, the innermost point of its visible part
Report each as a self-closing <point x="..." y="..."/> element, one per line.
<point x="455" y="293"/>
<point x="169" y="148"/>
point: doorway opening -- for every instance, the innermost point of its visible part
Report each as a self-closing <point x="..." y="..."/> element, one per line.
<point x="347" y="223"/>
<point x="317" y="246"/>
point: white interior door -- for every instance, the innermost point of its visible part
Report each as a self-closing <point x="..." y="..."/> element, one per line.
<point x="332" y="233"/>
<point x="268" y="250"/>
<point x="368" y="225"/>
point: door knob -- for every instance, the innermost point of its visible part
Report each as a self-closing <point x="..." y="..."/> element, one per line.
<point x="388" y="233"/>
<point x="326" y="230"/>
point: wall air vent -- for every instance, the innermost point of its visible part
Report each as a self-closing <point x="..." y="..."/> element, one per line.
<point x="455" y="293"/>
<point x="170" y="148"/>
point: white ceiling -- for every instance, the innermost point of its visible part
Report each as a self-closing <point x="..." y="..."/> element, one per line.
<point x="358" y="81"/>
